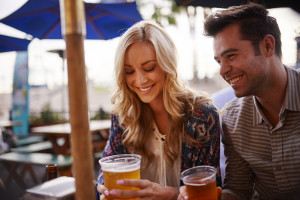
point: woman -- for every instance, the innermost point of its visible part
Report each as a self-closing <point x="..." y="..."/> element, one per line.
<point x="156" y="116"/>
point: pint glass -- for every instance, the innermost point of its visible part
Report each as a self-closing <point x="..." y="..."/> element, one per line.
<point x="200" y="183"/>
<point x="122" y="166"/>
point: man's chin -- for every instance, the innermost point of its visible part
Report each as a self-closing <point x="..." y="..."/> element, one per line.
<point x="238" y="93"/>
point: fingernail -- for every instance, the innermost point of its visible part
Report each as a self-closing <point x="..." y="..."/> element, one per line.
<point x="113" y="192"/>
<point x="106" y="192"/>
<point x="120" y="182"/>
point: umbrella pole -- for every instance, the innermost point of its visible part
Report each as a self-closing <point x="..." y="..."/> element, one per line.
<point x="73" y="28"/>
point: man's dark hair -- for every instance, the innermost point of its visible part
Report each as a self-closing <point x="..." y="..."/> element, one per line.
<point x="254" y="24"/>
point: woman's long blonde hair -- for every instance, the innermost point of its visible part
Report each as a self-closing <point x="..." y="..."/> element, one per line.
<point x="136" y="115"/>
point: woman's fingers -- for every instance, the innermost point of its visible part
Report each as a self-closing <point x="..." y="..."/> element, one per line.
<point x="138" y="183"/>
<point x="183" y="194"/>
<point x="101" y="188"/>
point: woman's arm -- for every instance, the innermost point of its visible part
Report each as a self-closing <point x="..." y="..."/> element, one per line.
<point x="147" y="190"/>
<point x="113" y="146"/>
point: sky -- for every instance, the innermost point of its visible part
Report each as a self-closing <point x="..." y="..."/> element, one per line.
<point x="47" y="68"/>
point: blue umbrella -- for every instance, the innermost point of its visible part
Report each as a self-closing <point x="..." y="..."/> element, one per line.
<point x="41" y="19"/>
<point x="13" y="44"/>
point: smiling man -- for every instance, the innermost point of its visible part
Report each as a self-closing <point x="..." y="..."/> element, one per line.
<point x="261" y="129"/>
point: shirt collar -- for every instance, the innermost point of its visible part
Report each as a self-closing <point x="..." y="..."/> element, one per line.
<point x="291" y="100"/>
<point x="292" y="95"/>
<point x="257" y="114"/>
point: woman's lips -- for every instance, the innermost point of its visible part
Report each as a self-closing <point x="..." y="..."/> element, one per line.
<point x="145" y="89"/>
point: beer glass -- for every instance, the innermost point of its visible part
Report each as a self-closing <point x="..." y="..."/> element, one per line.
<point x="122" y="166"/>
<point x="200" y="182"/>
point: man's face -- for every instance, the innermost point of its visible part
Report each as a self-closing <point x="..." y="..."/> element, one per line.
<point x="246" y="72"/>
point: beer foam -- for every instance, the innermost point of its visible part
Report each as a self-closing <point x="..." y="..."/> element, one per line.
<point x="120" y="168"/>
<point x="196" y="181"/>
<point x="117" y="163"/>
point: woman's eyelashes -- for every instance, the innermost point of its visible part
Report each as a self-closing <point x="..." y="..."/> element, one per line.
<point x="149" y="69"/>
<point x="129" y="70"/>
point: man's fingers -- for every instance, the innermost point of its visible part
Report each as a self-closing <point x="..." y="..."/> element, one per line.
<point x="219" y="192"/>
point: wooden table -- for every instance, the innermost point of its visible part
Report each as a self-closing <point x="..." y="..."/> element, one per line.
<point x="54" y="132"/>
<point x="9" y="124"/>
<point x="18" y="164"/>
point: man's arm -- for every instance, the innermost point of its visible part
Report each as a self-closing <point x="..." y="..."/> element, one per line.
<point x="238" y="181"/>
<point x="228" y="197"/>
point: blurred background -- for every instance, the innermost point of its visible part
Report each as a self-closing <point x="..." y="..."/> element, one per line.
<point x="47" y="71"/>
<point x="33" y="71"/>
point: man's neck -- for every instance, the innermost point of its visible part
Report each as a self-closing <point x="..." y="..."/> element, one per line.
<point x="272" y="98"/>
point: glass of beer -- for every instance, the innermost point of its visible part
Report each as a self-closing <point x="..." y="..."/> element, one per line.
<point x="200" y="182"/>
<point x="116" y="167"/>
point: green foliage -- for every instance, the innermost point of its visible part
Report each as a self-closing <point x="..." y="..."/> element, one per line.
<point x="101" y="114"/>
<point x="47" y="115"/>
<point x="164" y="11"/>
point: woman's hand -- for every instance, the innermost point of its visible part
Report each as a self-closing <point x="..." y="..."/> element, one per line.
<point x="148" y="190"/>
<point x="102" y="189"/>
<point x="184" y="196"/>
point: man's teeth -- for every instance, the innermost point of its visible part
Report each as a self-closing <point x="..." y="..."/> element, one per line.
<point x="233" y="81"/>
<point x="145" y="89"/>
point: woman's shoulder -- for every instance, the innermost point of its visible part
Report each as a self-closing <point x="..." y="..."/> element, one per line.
<point x="115" y="121"/>
<point x="205" y="107"/>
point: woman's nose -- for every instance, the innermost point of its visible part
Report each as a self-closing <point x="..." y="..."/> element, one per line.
<point x="141" y="78"/>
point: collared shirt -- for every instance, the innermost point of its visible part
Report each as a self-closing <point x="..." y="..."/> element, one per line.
<point x="259" y="154"/>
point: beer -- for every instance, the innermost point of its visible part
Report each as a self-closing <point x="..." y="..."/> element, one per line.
<point x="51" y="172"/>
<point x="123" y="166"/>
<point x="200" y="183"/>
<point x="199" y="190"/>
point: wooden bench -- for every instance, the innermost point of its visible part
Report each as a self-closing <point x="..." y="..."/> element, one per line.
<point x="44" y="146"/>
<point x="13" y="160"/>
<point x="29" y="140"/>
<point x="36" y="147"/>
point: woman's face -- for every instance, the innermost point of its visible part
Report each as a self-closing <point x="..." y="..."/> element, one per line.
<point x="143" y="75"/>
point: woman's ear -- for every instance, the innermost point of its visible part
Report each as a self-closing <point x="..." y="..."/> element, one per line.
<point x="268" y="45"/>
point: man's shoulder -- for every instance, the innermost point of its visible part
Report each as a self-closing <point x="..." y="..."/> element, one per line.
<point x="238" y="107"/>
<point x="238" y="103"/>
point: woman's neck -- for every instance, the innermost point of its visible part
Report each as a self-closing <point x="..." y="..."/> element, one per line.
<point x="161" y="117"/>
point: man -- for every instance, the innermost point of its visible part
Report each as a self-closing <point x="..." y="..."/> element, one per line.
<point x="261" y="128"/>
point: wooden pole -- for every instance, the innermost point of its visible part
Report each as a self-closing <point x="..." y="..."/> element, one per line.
<point x="73" y="28"/>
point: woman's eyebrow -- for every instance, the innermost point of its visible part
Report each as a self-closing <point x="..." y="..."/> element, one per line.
<point x="148" y="62"/>
<point x="144" y="63"/>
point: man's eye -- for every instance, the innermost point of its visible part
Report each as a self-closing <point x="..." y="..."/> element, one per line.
<point x="231" y="56"/>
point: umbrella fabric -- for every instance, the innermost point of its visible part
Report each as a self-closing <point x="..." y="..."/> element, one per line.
<point x="13" y="44"/>
<point x="225" y="4"/>
<point x="41" y="19"/>
<point x="108" y="21"/>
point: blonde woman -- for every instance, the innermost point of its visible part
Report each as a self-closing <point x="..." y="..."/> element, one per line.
<point x="156" y="116"/>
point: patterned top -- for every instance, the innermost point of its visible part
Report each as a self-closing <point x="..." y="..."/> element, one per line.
<point x="203" y="122"/>
<point x="257" y="153"/>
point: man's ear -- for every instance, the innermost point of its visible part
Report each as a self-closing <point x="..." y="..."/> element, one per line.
<point x="268" y="45"/>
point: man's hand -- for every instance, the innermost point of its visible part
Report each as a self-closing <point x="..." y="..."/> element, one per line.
<point x="184" y="195"/>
